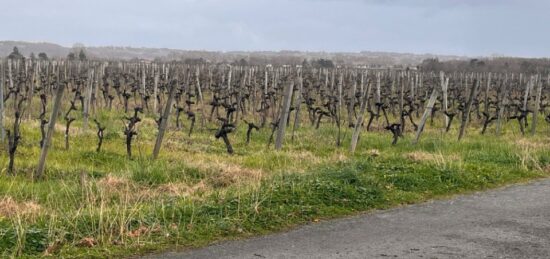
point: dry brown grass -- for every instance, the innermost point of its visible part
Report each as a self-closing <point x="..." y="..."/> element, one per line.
<point x="113" y="182"/>
<point x="142" y="230"/>
<point x="111" y="186"/>
<point x="87" y="242"/>
<point x="225" y="174"/>
<point x="181" y="189"/>
<point x="533" y="143"/>
<point x="373" y="152"/>
<point x="148" y="122"/>
<point x="73" y="131"/>
<point x="305" y="155"/>
<point x="10" y="208"/>
<point x="60" y="127"/>
<point x="339" y="157"/>
<point x="421" y="156"/>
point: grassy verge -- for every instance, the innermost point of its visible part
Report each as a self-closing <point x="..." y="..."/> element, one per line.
<point x="101" y="204"/>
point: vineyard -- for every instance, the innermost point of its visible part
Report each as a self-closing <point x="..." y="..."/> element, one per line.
<point x="105" y="158"/>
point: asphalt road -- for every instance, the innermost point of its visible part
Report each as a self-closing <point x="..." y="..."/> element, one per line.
<point x="513" y="222"/>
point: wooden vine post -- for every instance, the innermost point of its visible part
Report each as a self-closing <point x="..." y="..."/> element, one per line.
<point x="198" y="86"/>
<point x="285" y="110"/>
<point x="401" y="101"/>
<point x="155" y="91"/>
<point x="351" y="106"/>
<point x="298" y="103"/>
<point x="2" y="75"/>
<point x="164" y="120"/>
<point x="487" y="89"/>
<point x="378" y="98"/>
<point x="502" y="106"/>
<point x="466" y="114"/>
<point x="143" y="81"/>
<point x="537" y="108"/>
<point x="10" y="75"/>
<point x="444" y="87"/>
<point x="51" y="129"/>
<point x="378" y="86"/>
<point x="87" y="102"/>
<point x="229" y="78"/>
<point x="200" y="97"/>
<point x="34" y="80"/>
<point x="265" y="81"/>
<point x="339" y="108"/>
<point x="426" y="114"/>
<point x="526" y="93"/>
<point x="360" y="118"/>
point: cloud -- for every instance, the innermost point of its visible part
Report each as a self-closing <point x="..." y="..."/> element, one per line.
<point x="464" y="27"/>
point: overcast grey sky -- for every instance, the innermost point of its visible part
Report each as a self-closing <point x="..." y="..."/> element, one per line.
<point x="467" y="27"/>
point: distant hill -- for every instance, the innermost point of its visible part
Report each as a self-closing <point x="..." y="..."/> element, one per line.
<point x="256" y="57"/>
<point x="26" y="48"/>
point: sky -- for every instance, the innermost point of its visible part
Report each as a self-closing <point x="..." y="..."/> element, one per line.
<point x="454" y="27"/>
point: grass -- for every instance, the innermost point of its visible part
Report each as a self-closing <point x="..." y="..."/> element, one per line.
<point x="103" y="205"/>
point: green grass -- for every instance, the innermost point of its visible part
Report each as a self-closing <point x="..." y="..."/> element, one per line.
<point x="195" y="193"/>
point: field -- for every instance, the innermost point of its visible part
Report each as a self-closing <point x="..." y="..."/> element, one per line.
<point x="91" y="203"/>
